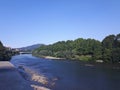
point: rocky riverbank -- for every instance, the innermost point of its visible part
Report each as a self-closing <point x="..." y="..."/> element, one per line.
<point x="11" y="79"/>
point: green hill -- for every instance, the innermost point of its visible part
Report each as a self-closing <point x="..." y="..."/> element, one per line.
<point x="84" y="49"/>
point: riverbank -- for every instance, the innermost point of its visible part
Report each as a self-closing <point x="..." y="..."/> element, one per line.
<point x="10" y="78"/>
<point x="97" y="63"/>
<point x="50" y="57"/>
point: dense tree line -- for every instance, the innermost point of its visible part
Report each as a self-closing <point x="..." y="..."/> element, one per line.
<point x="111" y="48"/>
<point x="5" y="53"/>
<point x="84" y="49"/>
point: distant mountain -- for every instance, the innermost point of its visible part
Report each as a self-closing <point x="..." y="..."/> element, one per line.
<point x="30" y="48"/>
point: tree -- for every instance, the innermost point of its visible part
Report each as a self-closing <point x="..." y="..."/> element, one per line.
<point x="85" y="49"/>
<point x="111" y="48"/>
<point x="116" y="50"/>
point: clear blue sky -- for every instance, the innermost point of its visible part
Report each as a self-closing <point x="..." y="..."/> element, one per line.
<point x="27" y="22"/>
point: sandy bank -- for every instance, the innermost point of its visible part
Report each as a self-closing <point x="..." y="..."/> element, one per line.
<point x="39" y="80"/>
<point x="50" y="57"/>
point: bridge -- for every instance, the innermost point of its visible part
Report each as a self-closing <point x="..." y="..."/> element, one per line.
<point x="25" y="52"/>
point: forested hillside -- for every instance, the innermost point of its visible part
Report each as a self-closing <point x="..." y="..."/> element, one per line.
<point x="29" y="48"/>
<point x="84" y="49"/>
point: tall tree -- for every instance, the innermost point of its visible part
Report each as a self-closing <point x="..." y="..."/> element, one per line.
<point x="116" y="49"/>
<point x="111" y="48"/>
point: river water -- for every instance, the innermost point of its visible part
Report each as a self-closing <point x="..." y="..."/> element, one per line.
<point x="66" y="74"/>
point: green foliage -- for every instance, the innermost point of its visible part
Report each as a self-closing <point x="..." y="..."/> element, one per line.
<point x="72" y="49"/>
<point x="1" y="46"/>
<point x="5" y="54"/>
<point x="84" y="49"/>
<point x="116" y="55"/>
<point x="83" y="57"/>
<point x="111" y="48"/>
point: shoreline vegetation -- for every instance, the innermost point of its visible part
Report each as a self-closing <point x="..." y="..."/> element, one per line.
<point x="6" y="53"/>
<point x="57" y="58"/>
<point x="90" y="50"/>
<point x="96" y="63"/>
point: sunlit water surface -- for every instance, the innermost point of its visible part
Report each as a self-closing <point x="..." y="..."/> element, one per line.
<point x="66" y="74"/>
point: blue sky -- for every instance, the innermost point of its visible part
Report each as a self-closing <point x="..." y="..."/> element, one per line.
<point x="27" y="22"/>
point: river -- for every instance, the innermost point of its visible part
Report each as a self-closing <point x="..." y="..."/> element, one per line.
<point x="66" y="74"/>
